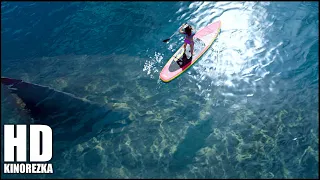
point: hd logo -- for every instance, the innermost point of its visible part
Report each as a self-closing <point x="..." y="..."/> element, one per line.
<point x="15" y="143"/>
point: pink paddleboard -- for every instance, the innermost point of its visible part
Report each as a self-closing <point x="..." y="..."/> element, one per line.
<point x="180" y="62"/>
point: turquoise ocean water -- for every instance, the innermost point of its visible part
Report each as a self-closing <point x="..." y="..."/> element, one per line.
<point x="247" y="109"/>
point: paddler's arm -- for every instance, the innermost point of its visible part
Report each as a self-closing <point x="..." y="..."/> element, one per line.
<point x="192" y="28"/>
<point x="181" y="31"/>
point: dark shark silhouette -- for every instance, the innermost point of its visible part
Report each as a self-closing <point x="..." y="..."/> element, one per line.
<point x="72" y="119"/>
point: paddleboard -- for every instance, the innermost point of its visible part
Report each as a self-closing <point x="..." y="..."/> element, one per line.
<point x="181" y="61"/>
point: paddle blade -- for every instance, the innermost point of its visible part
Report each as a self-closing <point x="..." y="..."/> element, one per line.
<point x="166" y="40"/>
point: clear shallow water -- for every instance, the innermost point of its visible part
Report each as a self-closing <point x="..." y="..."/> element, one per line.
<point x="247" y="109"/>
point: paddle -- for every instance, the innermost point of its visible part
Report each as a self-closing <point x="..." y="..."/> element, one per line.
<point x="166" y="40"/>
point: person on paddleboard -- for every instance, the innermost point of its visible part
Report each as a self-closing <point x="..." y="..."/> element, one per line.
<point x="188" y="31"/>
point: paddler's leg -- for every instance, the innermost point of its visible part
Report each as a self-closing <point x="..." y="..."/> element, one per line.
<point x="184" y="46"/>
<point x="191" y="48"/>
